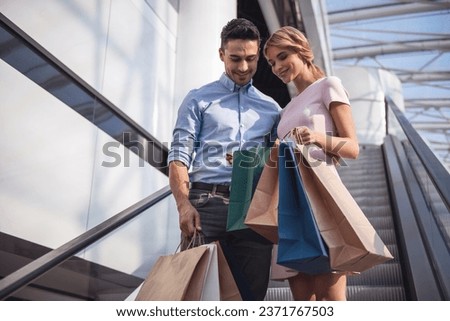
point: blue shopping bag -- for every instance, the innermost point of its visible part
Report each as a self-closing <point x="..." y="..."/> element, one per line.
<point x="300" y="245"/>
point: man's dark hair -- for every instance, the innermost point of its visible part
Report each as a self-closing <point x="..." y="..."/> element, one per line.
<point x="239" y="28"/>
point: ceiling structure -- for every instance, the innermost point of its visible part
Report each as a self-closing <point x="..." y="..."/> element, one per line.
<point x="408" y="38"/>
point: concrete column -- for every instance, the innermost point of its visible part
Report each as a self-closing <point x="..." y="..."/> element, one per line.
<point x="199" y="25"/>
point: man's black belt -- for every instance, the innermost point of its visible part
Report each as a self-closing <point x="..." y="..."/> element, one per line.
<point x="213" y="188"/>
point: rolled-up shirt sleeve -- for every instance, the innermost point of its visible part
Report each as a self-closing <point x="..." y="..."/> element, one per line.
<point x="186" y="131"/>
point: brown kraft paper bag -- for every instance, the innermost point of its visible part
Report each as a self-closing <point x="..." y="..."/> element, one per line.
<point x="262" y="215"/>
<point x="229" y="290"/>
<point x="353" y="243"/>
<point x="176" y="277"/>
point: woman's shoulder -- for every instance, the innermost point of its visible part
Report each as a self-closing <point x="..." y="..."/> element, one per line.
<point x="331" y="81"/>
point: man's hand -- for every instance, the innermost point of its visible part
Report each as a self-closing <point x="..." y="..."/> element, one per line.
<point x="189" y="219"/>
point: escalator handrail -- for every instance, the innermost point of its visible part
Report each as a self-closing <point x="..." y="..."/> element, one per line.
<point x="422" y="249"/>
<point x="37" y="52"/>
<point x="436" y="171"/>
<point x="22" y="277"/>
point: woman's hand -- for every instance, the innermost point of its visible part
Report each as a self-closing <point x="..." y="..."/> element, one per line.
<point x="305" y="136"/>
<point x="344" y="144"/>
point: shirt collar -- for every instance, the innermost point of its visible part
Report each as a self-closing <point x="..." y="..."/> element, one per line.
<point x="231" y="85"/>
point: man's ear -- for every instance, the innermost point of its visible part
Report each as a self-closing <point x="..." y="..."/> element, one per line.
<point x="221" y="54"/>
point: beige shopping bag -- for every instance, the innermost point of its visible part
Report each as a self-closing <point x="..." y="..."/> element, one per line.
<point x="219" y="282"/>
<point x="229" y="290"/>
<point x="353" y="243"/>
<point x="262" y="215"/>
<point x="279" y="272"/>
<point x="179" y="277"/>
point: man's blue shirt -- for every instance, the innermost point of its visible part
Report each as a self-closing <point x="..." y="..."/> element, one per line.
<point x="217" y="119"/>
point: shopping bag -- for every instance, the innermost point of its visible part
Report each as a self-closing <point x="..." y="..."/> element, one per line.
<point x="279" y="272"/>
<point x="189" y="275"/>
<point x="229" y="290"/>
<point x="262" y="215"/>
<point x="247" y="168"/>
<point x="352" y="242"/>
<point x="211" y="284"/>
<point x="300" y="245"/>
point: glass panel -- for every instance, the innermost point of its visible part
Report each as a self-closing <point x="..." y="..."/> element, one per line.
<point x="435" y="204"/>
<point x="437" y="210"/>
<point x="113" y="267"/>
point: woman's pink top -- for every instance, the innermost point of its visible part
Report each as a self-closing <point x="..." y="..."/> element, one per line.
<point x="311" y="108"/>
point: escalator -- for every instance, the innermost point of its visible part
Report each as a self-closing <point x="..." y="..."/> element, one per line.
<point x="365" y="178"/>
<point x="413" y="224"/>
<point x="75" y="279"/>
<point x="33" y="272"/>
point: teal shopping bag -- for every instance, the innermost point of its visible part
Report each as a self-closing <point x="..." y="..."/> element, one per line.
<point x="300" y="245"/>
<point x="247" y="168"/>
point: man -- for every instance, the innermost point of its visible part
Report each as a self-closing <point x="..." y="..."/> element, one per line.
<point x="213" y="121"/>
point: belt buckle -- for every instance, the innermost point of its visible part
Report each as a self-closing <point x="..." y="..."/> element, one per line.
<point x="215" y="189"/>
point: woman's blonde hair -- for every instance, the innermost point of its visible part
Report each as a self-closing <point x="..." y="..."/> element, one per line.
<point x="292" y="39"/>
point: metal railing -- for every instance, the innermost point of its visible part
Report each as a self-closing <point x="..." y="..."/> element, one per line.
<point x="22" y="277"/>
<point x="421" y="220"/>
<point x="437" y="172"/>
<point x="28" y="57"/>
<point x="32" y="60"/>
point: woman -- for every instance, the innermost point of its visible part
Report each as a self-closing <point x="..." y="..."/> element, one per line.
<point x="319" y="116"/>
